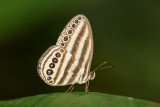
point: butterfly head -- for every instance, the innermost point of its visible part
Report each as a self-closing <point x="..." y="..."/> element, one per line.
<point x="92" y="75"/>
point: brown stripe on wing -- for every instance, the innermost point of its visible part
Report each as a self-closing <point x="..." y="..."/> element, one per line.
<point x="73" y="52"/>
<point x="78" y="40"/>
<point x="61" y="64"/>
<point x="85" y="72"/>
<point x="81" y="60"/>
<point x="70" y="62"/>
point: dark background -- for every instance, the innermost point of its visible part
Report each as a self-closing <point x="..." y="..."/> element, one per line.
<point x="126" y="34"/>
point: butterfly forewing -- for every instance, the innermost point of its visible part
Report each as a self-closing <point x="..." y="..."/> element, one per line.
<point x="69" y="61"/>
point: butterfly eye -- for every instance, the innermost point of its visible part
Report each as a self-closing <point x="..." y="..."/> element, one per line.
<point x="49" y="72"/>
<point x="92" y="75"/>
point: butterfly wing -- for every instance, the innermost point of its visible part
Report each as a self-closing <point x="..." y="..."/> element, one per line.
<point x="75" y="45"/>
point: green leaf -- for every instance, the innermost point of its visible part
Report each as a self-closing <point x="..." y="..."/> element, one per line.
<point x="78" y="99"/>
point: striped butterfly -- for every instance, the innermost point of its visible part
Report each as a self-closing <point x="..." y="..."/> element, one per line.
<point x="68" y="62"/>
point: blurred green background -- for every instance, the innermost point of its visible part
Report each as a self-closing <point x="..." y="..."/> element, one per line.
<point x="126" y="34"/>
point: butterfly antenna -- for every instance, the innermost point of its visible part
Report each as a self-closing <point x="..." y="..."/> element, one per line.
<point x="105" y="67"/>
<point x="100" y="65"/>
<point x="98" y="68"/>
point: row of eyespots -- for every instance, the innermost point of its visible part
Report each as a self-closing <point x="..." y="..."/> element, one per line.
<point x="52" y="65"/>
<point x="71" y="31"/>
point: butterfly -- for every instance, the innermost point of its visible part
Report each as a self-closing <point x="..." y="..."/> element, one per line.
<point x="69" y="61"/>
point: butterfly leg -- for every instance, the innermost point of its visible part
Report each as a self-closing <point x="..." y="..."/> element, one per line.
<point x="87" y="86"/>
<point x="70" y="89"/>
